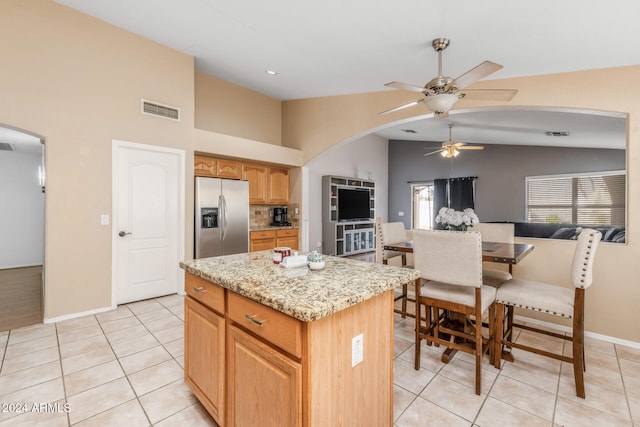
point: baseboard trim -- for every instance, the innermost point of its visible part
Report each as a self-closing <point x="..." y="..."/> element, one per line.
<point x="75" y="315"/>
<point x="594" y="335"/>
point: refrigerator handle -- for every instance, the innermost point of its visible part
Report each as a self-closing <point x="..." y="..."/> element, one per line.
<point x="223" y="206"/>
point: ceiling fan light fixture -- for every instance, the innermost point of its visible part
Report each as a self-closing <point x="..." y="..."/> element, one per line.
<point x="441" y="103"/>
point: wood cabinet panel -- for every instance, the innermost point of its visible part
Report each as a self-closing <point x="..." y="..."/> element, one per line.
<point x="278" y="185"/>
<point x="283" y="331"/>
<point x="204" y="357"/>
<point x="229" y="169"/>
<point x="204" y="166"/>
<point x="257" y="177"/>
<point x="270" y="379"/>
<point x="262" y="240"/>
<point x="205" y="292"/>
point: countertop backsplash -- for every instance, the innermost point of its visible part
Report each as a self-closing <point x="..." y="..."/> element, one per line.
<point x="261" y="216"/>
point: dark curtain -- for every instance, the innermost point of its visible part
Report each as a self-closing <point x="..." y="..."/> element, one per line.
<point x="454" y="193"/>
<point x="461" y="193"/>
<point x="440" y="198"/>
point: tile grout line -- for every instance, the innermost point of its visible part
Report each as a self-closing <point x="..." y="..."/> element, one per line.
<point x="624" y="387"/>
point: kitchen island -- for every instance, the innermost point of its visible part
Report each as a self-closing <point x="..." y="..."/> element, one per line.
<point x="273" y="346"/>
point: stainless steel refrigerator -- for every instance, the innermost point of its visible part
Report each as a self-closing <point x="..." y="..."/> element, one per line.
<point x="222" y="217"/>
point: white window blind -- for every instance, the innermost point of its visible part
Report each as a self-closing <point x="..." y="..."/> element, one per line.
<point x="592" y="199"/>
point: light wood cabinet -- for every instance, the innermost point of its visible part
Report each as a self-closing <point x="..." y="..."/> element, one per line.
<point x="267" y="185"/>
<point x="219" y="168"/>
<point x="269" y="239"/>
<point x="204" y="166"/>
<point x="257" y="176"/>
<point x="204" y="361"/>
<point x="271" y="380"/>
<point x="278" y="186"/>
<point x="287" y="237"/>
<point x="228" y="169"/>
<point x="262" y="240"/>
<point x="280" y="371"/>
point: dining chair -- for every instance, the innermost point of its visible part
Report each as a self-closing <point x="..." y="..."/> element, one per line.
<point x="499" y="233"/>
<point x="393" y="232"/>
<point x="450" y="265"/>
<point x="552" y="299"/>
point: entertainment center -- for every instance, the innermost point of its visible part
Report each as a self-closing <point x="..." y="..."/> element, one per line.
<point x="348" y="215"/>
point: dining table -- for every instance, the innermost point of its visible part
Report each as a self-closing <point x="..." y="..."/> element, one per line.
<point x="506" y="253"/>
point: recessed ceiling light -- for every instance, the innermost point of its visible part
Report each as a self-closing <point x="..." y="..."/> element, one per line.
<point x="557" y="133"/>
<point x="271" y="72"/>
<point x="409" y="131"/>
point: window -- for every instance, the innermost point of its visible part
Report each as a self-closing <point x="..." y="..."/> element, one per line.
<point x="422" y="206"/>
<point x="596" y="198"/>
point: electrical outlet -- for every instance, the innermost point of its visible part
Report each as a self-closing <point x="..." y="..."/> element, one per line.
<point x="400" y="213"/>
<point x="357" y="350"/>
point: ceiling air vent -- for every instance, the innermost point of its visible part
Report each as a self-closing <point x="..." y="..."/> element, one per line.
<point x="155" y="109"/>
<point x="5" y="146"/>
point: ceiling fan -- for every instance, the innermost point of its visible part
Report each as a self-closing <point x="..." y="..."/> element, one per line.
<point x="452" y="148"/>
<point x="441" y="92"/>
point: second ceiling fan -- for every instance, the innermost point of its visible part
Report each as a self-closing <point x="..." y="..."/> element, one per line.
<point x="441" y="92"/>
<point x="452" y="148"/>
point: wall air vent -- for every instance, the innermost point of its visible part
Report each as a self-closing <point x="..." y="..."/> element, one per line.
<point x="5" y="146"/>
<point x="159" y="110"/>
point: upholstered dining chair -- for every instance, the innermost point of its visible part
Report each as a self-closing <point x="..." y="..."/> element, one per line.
<point x="450" y="265"/>
<point x="499" y="233"/>
<point x="393" y="232"/>
<point x="552" y="299"/>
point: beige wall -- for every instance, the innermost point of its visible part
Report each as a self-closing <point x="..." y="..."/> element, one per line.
<point x="227" y="108"/>
<point x="78" y="82"/>
<point x="313" y="125"/>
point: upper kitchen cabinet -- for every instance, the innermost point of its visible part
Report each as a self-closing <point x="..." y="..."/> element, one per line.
<point x="229" y="169"/>
<point x="205" y="166"/>
<point x="220" y="168"/>
<point x="267" y="185"/>
<point x="257" y="176"/>
<point x="278" y="185"/>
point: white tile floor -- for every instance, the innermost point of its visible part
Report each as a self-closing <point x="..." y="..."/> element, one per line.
<point x="124" y="367"/>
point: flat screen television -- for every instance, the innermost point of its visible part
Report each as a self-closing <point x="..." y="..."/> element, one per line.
<point x="353" y="204"/>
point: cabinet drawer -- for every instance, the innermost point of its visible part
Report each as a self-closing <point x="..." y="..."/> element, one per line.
<point x="267" y="234"/>
<point x="205" y="292"/>
<point x="279" y="329"/>
<point x="289" y="232"/>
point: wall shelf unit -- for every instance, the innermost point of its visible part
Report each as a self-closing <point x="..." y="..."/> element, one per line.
<point x="346" y="237"/>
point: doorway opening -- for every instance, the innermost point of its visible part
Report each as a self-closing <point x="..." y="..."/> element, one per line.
<point x="22" y="220"/>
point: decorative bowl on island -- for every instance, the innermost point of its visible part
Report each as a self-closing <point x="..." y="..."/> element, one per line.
<point x="316" y="261"/>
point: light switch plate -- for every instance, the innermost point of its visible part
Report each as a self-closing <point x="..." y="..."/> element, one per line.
<point x="104" y="219"/>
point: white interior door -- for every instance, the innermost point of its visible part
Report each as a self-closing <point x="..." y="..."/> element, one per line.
<point x="148" y="221"/>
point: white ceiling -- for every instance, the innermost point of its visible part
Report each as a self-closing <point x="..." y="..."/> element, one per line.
<point x="20" y="141"/>
<point x="334" y="47"/>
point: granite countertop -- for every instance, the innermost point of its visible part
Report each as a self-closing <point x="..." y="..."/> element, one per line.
<point x="305" y="294"/>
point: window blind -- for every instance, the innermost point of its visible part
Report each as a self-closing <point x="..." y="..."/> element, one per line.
<point x="591" y="199"/>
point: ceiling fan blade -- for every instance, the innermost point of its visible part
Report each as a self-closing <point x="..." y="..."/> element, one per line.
<point x="405" y="86"/>
<point x="435" y="152"/>
<point x="401" y="107"/>
<point x="470" y="147"/>
<point x="479" y="72"/>
<point x="489" y="94"/>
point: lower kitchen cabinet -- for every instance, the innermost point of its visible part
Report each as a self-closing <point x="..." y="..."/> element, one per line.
<point x="259" y="374"/>
<point x="204" y="361"/>
<point x="269" y="239"/>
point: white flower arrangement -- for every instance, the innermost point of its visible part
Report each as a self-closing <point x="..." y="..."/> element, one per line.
<point x="457" y="220"/>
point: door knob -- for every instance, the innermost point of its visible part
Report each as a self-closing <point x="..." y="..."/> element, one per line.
<point x="122" y="234"/>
